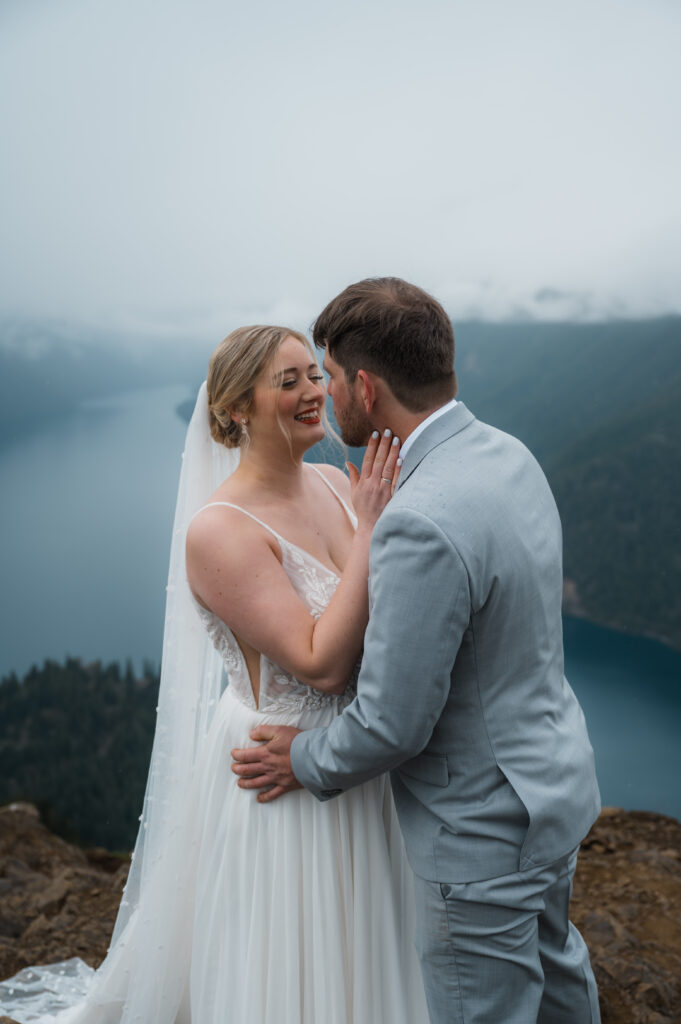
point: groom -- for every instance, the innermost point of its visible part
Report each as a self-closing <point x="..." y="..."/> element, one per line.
<point x="461" y="695"/>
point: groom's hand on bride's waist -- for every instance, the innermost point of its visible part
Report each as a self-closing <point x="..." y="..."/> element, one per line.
<point x="267" y="767"/>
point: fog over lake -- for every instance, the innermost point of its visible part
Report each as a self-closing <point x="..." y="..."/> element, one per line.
<point x="88" y="503"/>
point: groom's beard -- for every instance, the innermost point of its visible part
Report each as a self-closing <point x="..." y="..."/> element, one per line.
<point x="354" y="425"/>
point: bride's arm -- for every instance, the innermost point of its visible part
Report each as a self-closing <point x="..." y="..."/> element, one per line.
<point x="238" y="575"/>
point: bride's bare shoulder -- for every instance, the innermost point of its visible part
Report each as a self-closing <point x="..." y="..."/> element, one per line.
<point x="220" y="522"/>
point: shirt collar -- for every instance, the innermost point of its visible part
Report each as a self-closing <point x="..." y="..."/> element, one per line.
<point x="425" y="423"/>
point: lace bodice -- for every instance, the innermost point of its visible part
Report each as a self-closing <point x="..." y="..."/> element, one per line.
<point x="280" y="690"/>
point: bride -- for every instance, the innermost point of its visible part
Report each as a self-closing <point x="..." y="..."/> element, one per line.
<point x="294" y="911"/>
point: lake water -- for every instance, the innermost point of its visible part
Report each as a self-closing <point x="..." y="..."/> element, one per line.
<point x="87" y="507"/>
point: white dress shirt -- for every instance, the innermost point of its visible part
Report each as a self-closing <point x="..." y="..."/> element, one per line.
<point x="422" y="426"/>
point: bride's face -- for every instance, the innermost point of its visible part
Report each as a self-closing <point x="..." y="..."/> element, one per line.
<point x="288" y="398"/>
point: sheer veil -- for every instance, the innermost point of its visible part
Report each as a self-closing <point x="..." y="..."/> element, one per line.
<point x="139" y="980"/>
<point x="191" y="671"/>
<point x="155" y="911"/>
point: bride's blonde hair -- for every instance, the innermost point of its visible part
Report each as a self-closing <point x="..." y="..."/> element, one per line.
<point x="234" y="367"/>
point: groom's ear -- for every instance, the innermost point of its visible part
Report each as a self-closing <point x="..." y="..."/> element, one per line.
<point x="367" y="389"/>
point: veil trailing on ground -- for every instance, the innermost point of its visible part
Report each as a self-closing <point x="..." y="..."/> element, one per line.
<point x="154" y="924"/>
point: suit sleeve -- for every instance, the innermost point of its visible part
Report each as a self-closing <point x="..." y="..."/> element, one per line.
<point x="420" y="609"/>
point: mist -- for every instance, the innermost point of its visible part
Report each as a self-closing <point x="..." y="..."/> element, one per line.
<point x="177" y="169"/>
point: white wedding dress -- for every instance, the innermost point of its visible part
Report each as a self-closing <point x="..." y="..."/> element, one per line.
<point x="294" y="912"/>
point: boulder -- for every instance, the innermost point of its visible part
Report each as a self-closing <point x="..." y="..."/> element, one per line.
<point x="56" y="900"/>
<point x="627" y="905"/>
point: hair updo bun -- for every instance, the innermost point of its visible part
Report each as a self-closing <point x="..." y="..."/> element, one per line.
<point x="234" y="367"/>
<point x="223" y="429"/>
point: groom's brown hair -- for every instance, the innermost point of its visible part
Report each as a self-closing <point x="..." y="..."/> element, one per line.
<point x="397" y="331"/>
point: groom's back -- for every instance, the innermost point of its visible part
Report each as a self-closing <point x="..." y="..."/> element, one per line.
<point x="507" y="778"/>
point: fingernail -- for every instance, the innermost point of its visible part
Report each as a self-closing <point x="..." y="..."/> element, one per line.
<point x="375" y="434"/>
<point x="387" y="432"/>
<point x="399" y="462"/>
<point x="396" y="441"/>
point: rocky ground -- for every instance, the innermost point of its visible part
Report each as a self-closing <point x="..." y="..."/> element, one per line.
<point x="58" y="901"/>
<point x="627" y="904"/>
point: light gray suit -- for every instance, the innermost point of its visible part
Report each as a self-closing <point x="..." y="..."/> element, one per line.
<point x="462" y="697"/>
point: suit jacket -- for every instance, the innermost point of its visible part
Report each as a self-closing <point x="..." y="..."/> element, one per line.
<point x="461" y="694"/>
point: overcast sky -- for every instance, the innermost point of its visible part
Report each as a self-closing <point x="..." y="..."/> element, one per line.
<point x="170" y="163"/>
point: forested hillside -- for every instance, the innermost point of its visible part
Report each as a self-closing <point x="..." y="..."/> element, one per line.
<point x="600" y="407"/>
<point x="76" y="740"/>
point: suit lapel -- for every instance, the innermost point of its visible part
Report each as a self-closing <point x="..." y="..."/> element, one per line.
<point x="444" y="427"/>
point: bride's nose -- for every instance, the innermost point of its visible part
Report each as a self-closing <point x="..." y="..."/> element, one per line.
<point x="315" y="389"/>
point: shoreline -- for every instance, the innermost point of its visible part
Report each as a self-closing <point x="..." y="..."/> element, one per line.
<point x="668" y="644"/>
<point x="615" y="627"/>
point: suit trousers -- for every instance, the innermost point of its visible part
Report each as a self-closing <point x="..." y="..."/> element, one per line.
<point x="503" y="951"/>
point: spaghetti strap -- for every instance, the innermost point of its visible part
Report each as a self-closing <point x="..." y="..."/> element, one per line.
<point x="228" y="504"/>
<point x="283" y="543"/>
<point x="348" y="511"/>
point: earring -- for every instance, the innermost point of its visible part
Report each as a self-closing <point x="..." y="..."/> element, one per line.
<point x="244" y="431"/>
